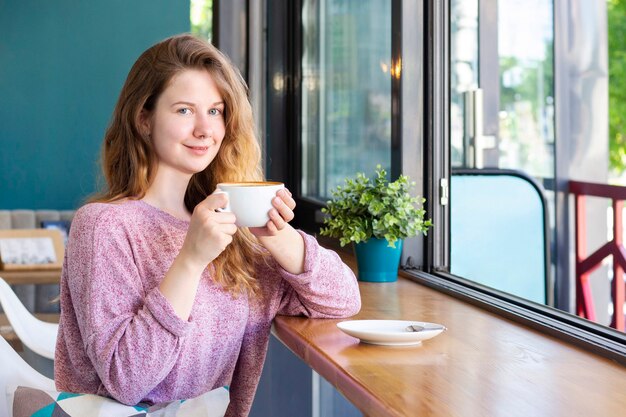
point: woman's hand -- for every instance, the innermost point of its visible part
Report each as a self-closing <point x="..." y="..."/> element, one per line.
<point x="280" y="215"/>
<point x="283" y="242"/>
<point x="210" y="231"/>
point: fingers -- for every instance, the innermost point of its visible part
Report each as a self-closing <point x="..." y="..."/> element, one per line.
<point x="206" y="214"/>
<point x="286" y="197"/>
<point x="280" y="215"/>
<point x="209" y="234"/>
<point x="269" y="229"/>
<point x="276" y="223"/>
<point x="215" y="201"/>
<point x="283" y="206"/>
<point x="225" y="218"/>
<point x="228" y="228"/>
<point x="212" y="205"/>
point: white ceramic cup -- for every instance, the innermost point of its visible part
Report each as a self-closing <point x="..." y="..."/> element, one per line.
<point x="250" y="201"/>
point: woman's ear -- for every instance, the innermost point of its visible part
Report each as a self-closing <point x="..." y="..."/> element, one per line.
<point x="145" y="123"/>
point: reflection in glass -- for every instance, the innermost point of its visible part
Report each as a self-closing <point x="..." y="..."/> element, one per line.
<point x="525" y="49"/>
<point x="346" y="91"/>
<point x="526" y="68"/>
<point x="463" y="68"/>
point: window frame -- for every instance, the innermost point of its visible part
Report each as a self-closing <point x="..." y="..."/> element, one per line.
<point x="430" y="146"/>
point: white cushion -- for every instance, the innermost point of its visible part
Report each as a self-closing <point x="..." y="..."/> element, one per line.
<point x="32" y="402"/>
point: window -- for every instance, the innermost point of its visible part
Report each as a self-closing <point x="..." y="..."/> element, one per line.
<point x="502" y="117"/>
<point x="345" y="90"/>
<point x="334" y="112"/>
<point x="201" y="17"/>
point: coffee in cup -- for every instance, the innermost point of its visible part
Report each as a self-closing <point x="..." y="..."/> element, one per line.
<point x="250" y="201"/>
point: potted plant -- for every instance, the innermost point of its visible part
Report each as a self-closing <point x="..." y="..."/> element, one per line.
<point x="375" y="216"/>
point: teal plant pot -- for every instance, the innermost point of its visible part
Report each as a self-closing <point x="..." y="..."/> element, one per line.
<point x="376" y="261"/>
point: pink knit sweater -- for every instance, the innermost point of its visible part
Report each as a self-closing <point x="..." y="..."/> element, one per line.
<point x="119" y="336"/>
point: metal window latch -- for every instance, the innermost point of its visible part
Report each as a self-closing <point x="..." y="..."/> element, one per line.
<point x="444" y="191"/>
<point x="474" y="141"/>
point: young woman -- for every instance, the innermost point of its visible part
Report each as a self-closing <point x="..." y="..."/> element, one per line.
<point x="162" y="296"/>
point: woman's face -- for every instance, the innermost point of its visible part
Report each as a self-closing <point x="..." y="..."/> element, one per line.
<point x="187" y="125"/>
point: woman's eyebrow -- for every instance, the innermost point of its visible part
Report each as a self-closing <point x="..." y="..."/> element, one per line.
<point x="189" y="103"/>
<point x="186" y="103"/>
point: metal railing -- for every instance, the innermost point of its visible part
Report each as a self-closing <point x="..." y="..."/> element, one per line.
<point x="586" y="264"/>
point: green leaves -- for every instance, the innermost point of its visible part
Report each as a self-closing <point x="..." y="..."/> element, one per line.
<point x="616" y="10"/>
<point x="362" y="209"/>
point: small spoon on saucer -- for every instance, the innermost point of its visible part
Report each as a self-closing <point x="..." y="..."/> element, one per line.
<point x="418" y="328"/>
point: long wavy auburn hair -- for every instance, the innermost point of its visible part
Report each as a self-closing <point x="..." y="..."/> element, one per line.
<point x="129" y="161"/>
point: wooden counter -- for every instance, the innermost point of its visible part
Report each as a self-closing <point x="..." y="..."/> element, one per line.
<point x="22" y="277"/>
<point x="483" y="365"/>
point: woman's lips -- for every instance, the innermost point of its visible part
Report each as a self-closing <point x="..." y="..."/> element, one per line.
<point x="198" y="150"/>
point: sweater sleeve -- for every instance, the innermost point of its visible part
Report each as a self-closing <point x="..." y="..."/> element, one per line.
<point x="326" y="289"/>
<point x="131" y="336"/>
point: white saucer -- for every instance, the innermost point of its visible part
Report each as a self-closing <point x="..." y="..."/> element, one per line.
<point x="389" y="332"/>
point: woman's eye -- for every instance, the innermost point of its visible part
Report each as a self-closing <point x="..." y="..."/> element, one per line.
<point x="184" y="110"/>
<point x="215" y="112"/>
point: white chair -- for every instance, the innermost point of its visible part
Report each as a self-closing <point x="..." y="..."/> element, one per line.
<point x="15" y="371"/>
<point x="37" y="336"/>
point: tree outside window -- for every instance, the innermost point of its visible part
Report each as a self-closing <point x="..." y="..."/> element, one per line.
<point x="201" y="17"/>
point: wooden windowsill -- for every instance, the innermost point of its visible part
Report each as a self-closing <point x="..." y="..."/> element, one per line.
<point x="483" y="365"/>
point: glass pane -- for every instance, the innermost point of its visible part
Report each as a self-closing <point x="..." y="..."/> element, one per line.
<point x="525" y="49"/>
<point x="526" y="139"/>
<point x="463" y="68"/>
<point x="497" y="220"/>
<point x="201" y="16"/>
<point x="346" y="91"/>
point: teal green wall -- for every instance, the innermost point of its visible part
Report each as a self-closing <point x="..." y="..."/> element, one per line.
<point x="62" y="65"/>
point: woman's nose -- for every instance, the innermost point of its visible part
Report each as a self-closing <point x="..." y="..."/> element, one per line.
<point x="202" y="128"/>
